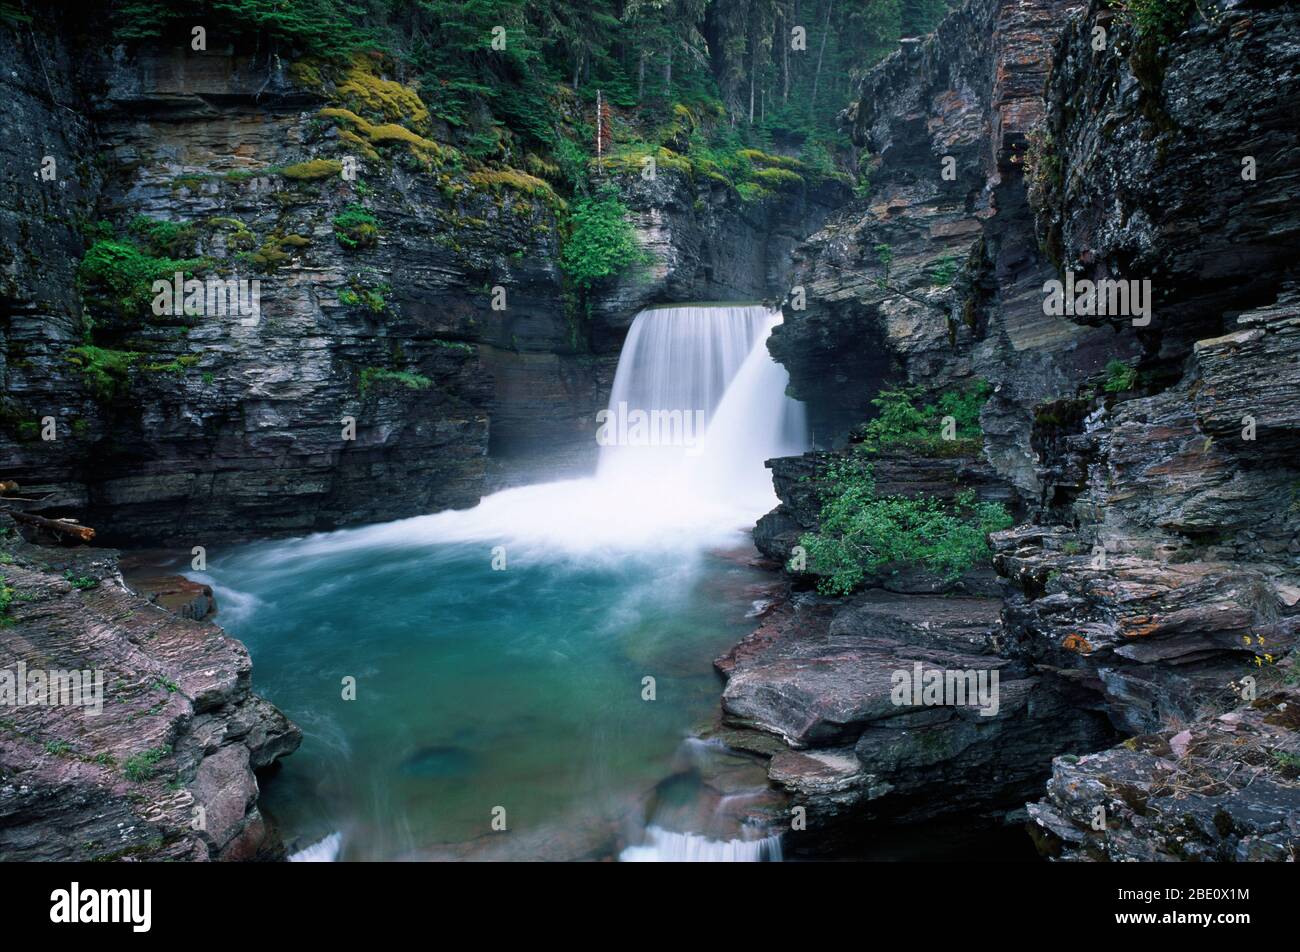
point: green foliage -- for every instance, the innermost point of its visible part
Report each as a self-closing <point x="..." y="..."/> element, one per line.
<point x="453" y="345"/>
<point x="1119" y="377"/>
<point x="901" y="424"/>
<point x="370" y="376"/>
<point x="945" y="269"/>
<point x="116" y="277"/>
<point x="140" y="767"/>
<point x="81" y="582"/>
<point x="373" y="299"/>
<point x="861" y="533"/>
<point x="317" y="27"/>
<point x="58" y="747"/>
<point x="602" y="243"/>
<point x="163" y="238"/>
<point x="107" y="372"/>
<point x="1161" y="20"/>
<point x="6" y="601"/>
<point x="356" y="228"/>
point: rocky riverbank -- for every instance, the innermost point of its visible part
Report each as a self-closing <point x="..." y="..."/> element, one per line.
<point x="161" y="763"/>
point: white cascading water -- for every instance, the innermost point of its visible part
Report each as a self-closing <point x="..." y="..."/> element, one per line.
<point x="664" y="846"/>
<point x="709" y="363"/>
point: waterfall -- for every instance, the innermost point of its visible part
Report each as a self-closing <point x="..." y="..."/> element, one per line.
<point x="326" y="851"/>
<point x="714" y="405"/>
<point x="664" y="846"/>
<point x="696" y="408"/>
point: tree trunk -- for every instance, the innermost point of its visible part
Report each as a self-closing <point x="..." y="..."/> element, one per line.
<point x="785" y="60"/>
<point x="826" y="26"/>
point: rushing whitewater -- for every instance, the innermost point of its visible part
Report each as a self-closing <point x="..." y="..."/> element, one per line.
<point x="692" y="490"/>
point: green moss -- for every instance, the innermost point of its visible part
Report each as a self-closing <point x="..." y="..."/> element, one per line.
<point x="776" y="179"/>
<point x="373" y="299"/>
<point x="312" y="170"/>
<point x="174" y="366"/>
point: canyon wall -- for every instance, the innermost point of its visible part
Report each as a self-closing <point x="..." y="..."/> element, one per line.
<point x="226" y="428"/>
<point x="1150" y="590"/>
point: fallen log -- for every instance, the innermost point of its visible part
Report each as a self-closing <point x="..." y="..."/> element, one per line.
<point x="64" y="527"/>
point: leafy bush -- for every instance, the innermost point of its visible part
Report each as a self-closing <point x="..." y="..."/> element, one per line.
<point x="107" y="372"/>
<point x="861" y="533"/>
<point x="901" y="424"/>
<point x="1119" y="377"/>
<point x="1161" y="20"/>
<point x="376" y="375"/>
<point x="117" y="277"/>
<point x="602" y="244"/>
<point x="356" y="228"/>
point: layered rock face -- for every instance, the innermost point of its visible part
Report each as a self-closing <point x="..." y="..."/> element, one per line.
<point x="225" y="427"/>
<point x="164" y="768"/>
<point x="1151" y="589"/>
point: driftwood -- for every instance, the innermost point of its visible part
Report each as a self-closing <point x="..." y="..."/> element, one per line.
<point x="64" y="527"/>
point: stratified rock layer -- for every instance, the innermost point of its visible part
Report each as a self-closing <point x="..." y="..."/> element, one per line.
<point x="166" y="769"/>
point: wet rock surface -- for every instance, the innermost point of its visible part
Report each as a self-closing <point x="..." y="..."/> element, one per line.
<point x="1151" y="588"/>
<point x="166" y="768"/>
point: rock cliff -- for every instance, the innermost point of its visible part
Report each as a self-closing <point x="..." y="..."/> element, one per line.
<point x="379" y="299"/>
<point x="1150" y="589"/>
<point x="165" y="768"/>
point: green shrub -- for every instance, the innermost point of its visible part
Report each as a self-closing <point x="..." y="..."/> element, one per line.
<point x="107" y="372"/>
<point x="602" y="243"/>
<point x="861" y="533"/>
<point x="163" y="238"/>
<point x="1119" y="377"/>
<point x="116" y="278"/>
<point x="377" y="375"/>
<point x="1161" y="20"/>
<point x="901" y="424"/>
<point x="356" y="228"/>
